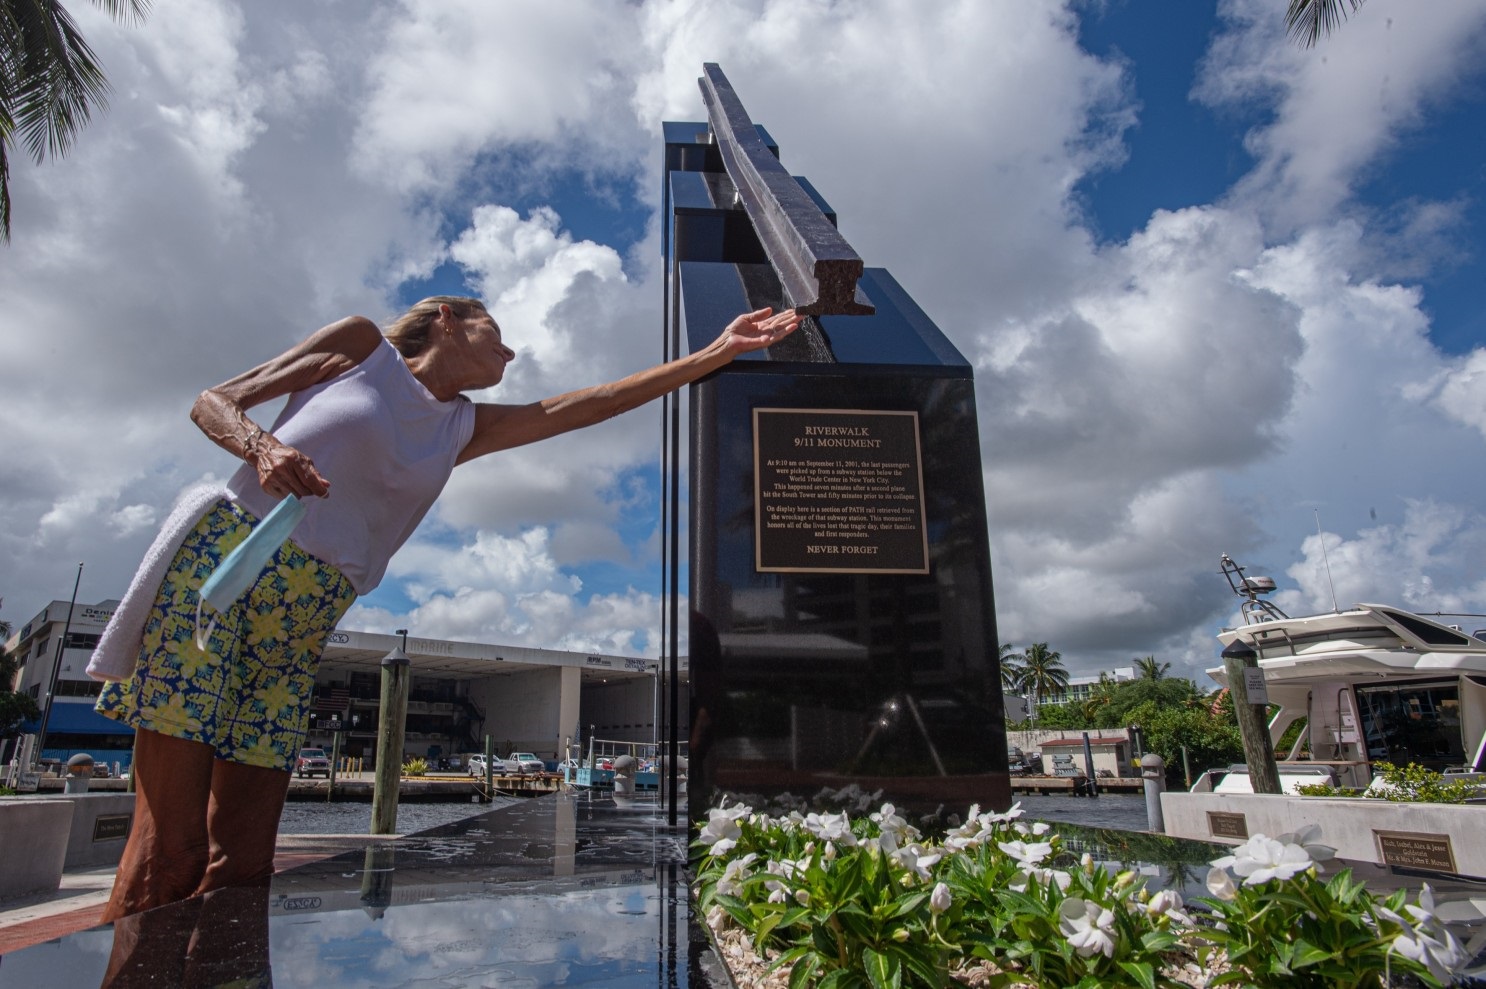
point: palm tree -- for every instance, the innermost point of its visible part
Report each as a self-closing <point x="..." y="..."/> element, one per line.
<point x="1011" y="672"/>
<point x="1042" y="671"/>
<point x="1307" y="20"/>
<point x="50" y="81"/>
<point x="1149" y="669"/>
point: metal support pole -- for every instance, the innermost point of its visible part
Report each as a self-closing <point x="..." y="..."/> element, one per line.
<point x="1153" y="772"/>
<point x="335" y="757"/>
<point x="1258" y="748"/>
<point x="51" y="694"/>
<point x="489" y="768"/>
<point x="1093" y="788"/>
<point x="391" y="723"/>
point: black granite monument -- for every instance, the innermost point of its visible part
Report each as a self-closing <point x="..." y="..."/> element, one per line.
<point x="841" y="626"/>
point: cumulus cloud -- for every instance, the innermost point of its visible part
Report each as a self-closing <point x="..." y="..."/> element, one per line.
<point x="1208" y="385"/>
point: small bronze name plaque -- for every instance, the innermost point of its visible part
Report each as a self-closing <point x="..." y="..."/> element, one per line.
<point x="1416" y="851"/>
<point x="1221" y="825"/>
<point x="838" y="490"/>
<point x="111" y="827"/>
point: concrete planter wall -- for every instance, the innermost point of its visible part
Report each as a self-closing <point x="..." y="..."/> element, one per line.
<point x="1434" y="837"/>
<point x="33" y="834"/>
<point x="100" y="825"/>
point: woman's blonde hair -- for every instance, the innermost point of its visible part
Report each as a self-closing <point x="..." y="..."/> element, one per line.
<point x="409" y="332"/>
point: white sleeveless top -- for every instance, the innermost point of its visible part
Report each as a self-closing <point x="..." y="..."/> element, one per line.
<point x="386" y="445"/>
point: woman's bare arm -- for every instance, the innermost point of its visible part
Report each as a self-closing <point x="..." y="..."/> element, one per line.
<point x="221" y="411"/>
<point x="502" y="427"/>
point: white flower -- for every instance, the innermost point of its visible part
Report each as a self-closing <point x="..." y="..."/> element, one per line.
<point x="716" y="918"/>
<point x="733" y="875"/>
<point x="1425" y="940"/>
<point x="802" y="897"/>
<point x="1433" y="947"/>
<point x="1011" y="815"/>
<point x="831" y="827"/>
<point x="722" y="831"/>
<point x="891" y="822"/>
<point x="1168" y="903"/>
<point x="1028" y="853"/>
<point x="1088" y="926"/>
<point x="1262" y="858"/>
<point x="1220" y="885"/>
<point x="939" y="900"/>
<point x="917" y="860"/>
<point x="1306" y="838"/>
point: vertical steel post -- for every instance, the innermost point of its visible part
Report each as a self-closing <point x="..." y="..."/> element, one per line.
<point x="391" y="723"/>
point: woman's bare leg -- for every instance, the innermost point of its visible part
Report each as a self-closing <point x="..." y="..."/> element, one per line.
<point x="166" y="854"/>
<point x="242" y="824"/>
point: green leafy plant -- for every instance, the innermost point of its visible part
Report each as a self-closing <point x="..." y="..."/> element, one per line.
<point x="415" y="767"/>
<point x="867" y="901"/>
<point x="1415" y="784"/>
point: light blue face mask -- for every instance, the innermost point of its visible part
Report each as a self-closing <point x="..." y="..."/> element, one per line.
<point x="236" y="574"/>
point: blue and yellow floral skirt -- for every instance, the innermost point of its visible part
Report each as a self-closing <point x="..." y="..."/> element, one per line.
<point x="247" y="694"/>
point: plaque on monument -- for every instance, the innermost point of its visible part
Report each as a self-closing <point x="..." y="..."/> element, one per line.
<point x="839" y="491"/>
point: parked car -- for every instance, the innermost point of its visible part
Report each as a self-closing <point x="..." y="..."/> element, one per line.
<point x="312" y="762"/>
<point x="476" y="765"/>
<point x="523" y="762"/>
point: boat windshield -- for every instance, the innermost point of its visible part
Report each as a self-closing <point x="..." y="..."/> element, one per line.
<point x="1412" y="722"/>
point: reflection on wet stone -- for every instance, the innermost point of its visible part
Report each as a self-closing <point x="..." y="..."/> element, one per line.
<point x="568" y="889"/>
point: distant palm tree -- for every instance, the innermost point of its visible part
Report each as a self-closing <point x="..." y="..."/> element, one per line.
<point x="1308" y="20"/>
<point x="50" y="81"/>
<point x="1011" y="671"/>
<point x="1150" y="669"/>
<point x="1042" y="671"/>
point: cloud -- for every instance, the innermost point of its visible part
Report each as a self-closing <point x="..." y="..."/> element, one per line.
<point x="1340" y="107"/>
<point x="1208" y="385"/>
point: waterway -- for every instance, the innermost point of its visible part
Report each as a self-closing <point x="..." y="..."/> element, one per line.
<point x="314" y="817"/>
<point x="1121" y="811"/>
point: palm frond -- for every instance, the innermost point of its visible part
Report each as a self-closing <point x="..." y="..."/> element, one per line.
<point x="1307" y="21"/>
<point x="50" y="80"/>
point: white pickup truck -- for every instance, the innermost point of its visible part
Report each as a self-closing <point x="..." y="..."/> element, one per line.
<point x="523" y="762"/>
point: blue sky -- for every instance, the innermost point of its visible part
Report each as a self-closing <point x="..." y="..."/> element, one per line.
<point x="1213" y="286"/>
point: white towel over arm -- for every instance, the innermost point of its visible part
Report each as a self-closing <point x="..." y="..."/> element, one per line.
<point x="118" y="650"/>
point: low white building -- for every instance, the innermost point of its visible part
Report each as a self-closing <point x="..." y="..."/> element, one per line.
<point x="533" y="700"/>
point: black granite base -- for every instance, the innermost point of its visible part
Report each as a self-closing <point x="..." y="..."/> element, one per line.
<point x="571" y="889"/>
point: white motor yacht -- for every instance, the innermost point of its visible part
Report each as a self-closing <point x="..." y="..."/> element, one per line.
<point x="1373" y="683"/>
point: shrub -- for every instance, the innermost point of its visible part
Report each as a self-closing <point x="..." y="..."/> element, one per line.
<point x="869" y="902"/>
<point x="415" y="767"/>
<point x="1415" y="784"/>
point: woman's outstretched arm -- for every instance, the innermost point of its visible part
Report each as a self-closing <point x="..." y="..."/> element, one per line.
<point x="501" y="427"/>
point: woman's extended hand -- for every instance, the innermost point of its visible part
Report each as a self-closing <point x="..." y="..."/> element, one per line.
<point x="762" y="328"/>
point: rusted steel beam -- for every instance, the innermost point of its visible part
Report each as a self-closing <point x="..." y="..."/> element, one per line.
<point x="816" y="265"/>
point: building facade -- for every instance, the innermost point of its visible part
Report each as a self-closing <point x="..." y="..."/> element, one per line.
<point x="524" y="699"/>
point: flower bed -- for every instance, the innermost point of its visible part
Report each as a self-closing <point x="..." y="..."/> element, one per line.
<point x="833" y="901"/>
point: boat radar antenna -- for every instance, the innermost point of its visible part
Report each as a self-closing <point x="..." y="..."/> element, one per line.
<point x="1254" y="608"/>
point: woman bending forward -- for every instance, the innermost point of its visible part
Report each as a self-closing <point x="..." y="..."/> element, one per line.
<point x="372" y="429"/>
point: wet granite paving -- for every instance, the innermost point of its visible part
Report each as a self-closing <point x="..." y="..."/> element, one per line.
<point x="569" y="889"/>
